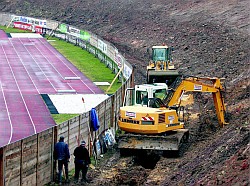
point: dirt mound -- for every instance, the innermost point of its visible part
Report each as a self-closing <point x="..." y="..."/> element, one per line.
<point x="210" y="38"/>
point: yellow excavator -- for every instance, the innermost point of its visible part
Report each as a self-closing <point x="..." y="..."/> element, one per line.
<point x="161" y="68"/>
<point x="152" y="117"/>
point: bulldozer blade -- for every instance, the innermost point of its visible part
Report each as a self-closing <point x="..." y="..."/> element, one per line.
<point x="163" y="73"/>
<point x="162" y="76"/>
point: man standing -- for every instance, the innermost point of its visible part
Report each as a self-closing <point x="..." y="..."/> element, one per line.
<point x="82" y="161"/>
<point x="62" y="155"/>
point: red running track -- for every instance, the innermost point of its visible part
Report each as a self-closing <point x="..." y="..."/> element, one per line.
<point x="30" y="67"/>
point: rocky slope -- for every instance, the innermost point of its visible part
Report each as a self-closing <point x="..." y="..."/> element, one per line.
<point x="211" y="38"/>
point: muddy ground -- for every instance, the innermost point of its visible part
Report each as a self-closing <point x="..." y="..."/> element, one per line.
<point x="210" y="38"/>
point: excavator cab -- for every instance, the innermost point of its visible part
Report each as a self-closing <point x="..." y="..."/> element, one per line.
<point x="145" y="95"/>
<point x="161" y="68"/>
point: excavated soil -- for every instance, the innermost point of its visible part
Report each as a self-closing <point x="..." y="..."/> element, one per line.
<point x="210" y="38"/>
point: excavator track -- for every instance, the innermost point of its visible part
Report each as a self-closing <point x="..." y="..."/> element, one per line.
<point x="157" y="142"/>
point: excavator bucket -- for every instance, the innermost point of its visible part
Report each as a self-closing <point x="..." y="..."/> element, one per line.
<point x="168" y="142"/>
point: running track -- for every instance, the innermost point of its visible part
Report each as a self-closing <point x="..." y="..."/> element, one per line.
<point x="30" y="67"/>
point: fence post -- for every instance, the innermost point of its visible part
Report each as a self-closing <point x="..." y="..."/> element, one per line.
<point x="68" y="131"/>
<point x="2" y="166"/>
<point x="112" y="111"/>
<point x="79" y="132"/>
<point x="115" y="112"/>
<point x="21" y="164"/>
<point x="37" y="157"/>
<point x="54" y="140"/>
<point x="104" y="116"/>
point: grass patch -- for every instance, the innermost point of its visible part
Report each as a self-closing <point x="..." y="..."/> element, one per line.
<point x="87" y="63"/>
<point x="13" y="30"/>
<point x="60" y="118"/>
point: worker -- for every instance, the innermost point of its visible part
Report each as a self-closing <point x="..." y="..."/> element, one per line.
<point x="62" y="155"/>
<point x="82" y="161"/>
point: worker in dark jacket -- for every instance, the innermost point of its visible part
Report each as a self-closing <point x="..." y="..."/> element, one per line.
<point x="82" y="161"/>
<point x="62" y="155"/>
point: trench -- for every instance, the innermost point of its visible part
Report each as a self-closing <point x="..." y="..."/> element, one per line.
<point x="148" y="160"/>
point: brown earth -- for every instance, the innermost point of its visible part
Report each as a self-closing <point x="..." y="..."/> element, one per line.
<point x="211" y="38"/>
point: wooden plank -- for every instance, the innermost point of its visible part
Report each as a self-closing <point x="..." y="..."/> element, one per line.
<point x="53" y="170"/>
<point x="30" y="179"/>
<point x="1" y="167"/>
<point x="12" y="163"/>
<point x="29" y="161"/>
<point x="74" y="120"/>
<point x="44" y="174"/>
<point x="37" y="156"/>
<point x="63" y="129"/>
<point x="21" y="163"/>
<point x="44" y="165"/>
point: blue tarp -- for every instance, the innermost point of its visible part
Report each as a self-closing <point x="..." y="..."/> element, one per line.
<point x="94" y="119"/>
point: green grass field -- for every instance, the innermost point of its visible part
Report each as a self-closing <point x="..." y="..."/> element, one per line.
<point x="13" y="30"/>
<point x="86" y="63"/>
<point x="60" y="118"/>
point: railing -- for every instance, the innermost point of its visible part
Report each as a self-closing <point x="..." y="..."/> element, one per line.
<point x="30" y="160"/>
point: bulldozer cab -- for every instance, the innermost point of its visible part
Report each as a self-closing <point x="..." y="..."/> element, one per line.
<point x="161" y="57"/>
<point x="143" y="95"/>
<point x="161" y="68"/>
<point x="161" y="54"/>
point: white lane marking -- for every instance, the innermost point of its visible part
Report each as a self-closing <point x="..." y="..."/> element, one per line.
<point x="66" y="91"/>
<point x="72" y="78"/>
<point x="19" y="91"/>
<point x="65" y="63"/>
<point x="39" y="67"/>
<point x="25" y="67"/>
<point x="11" y="127"/>
<point x="51" y="64"/>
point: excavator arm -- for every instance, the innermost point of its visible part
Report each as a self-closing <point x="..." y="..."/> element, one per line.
<point x="195" y="84"/>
